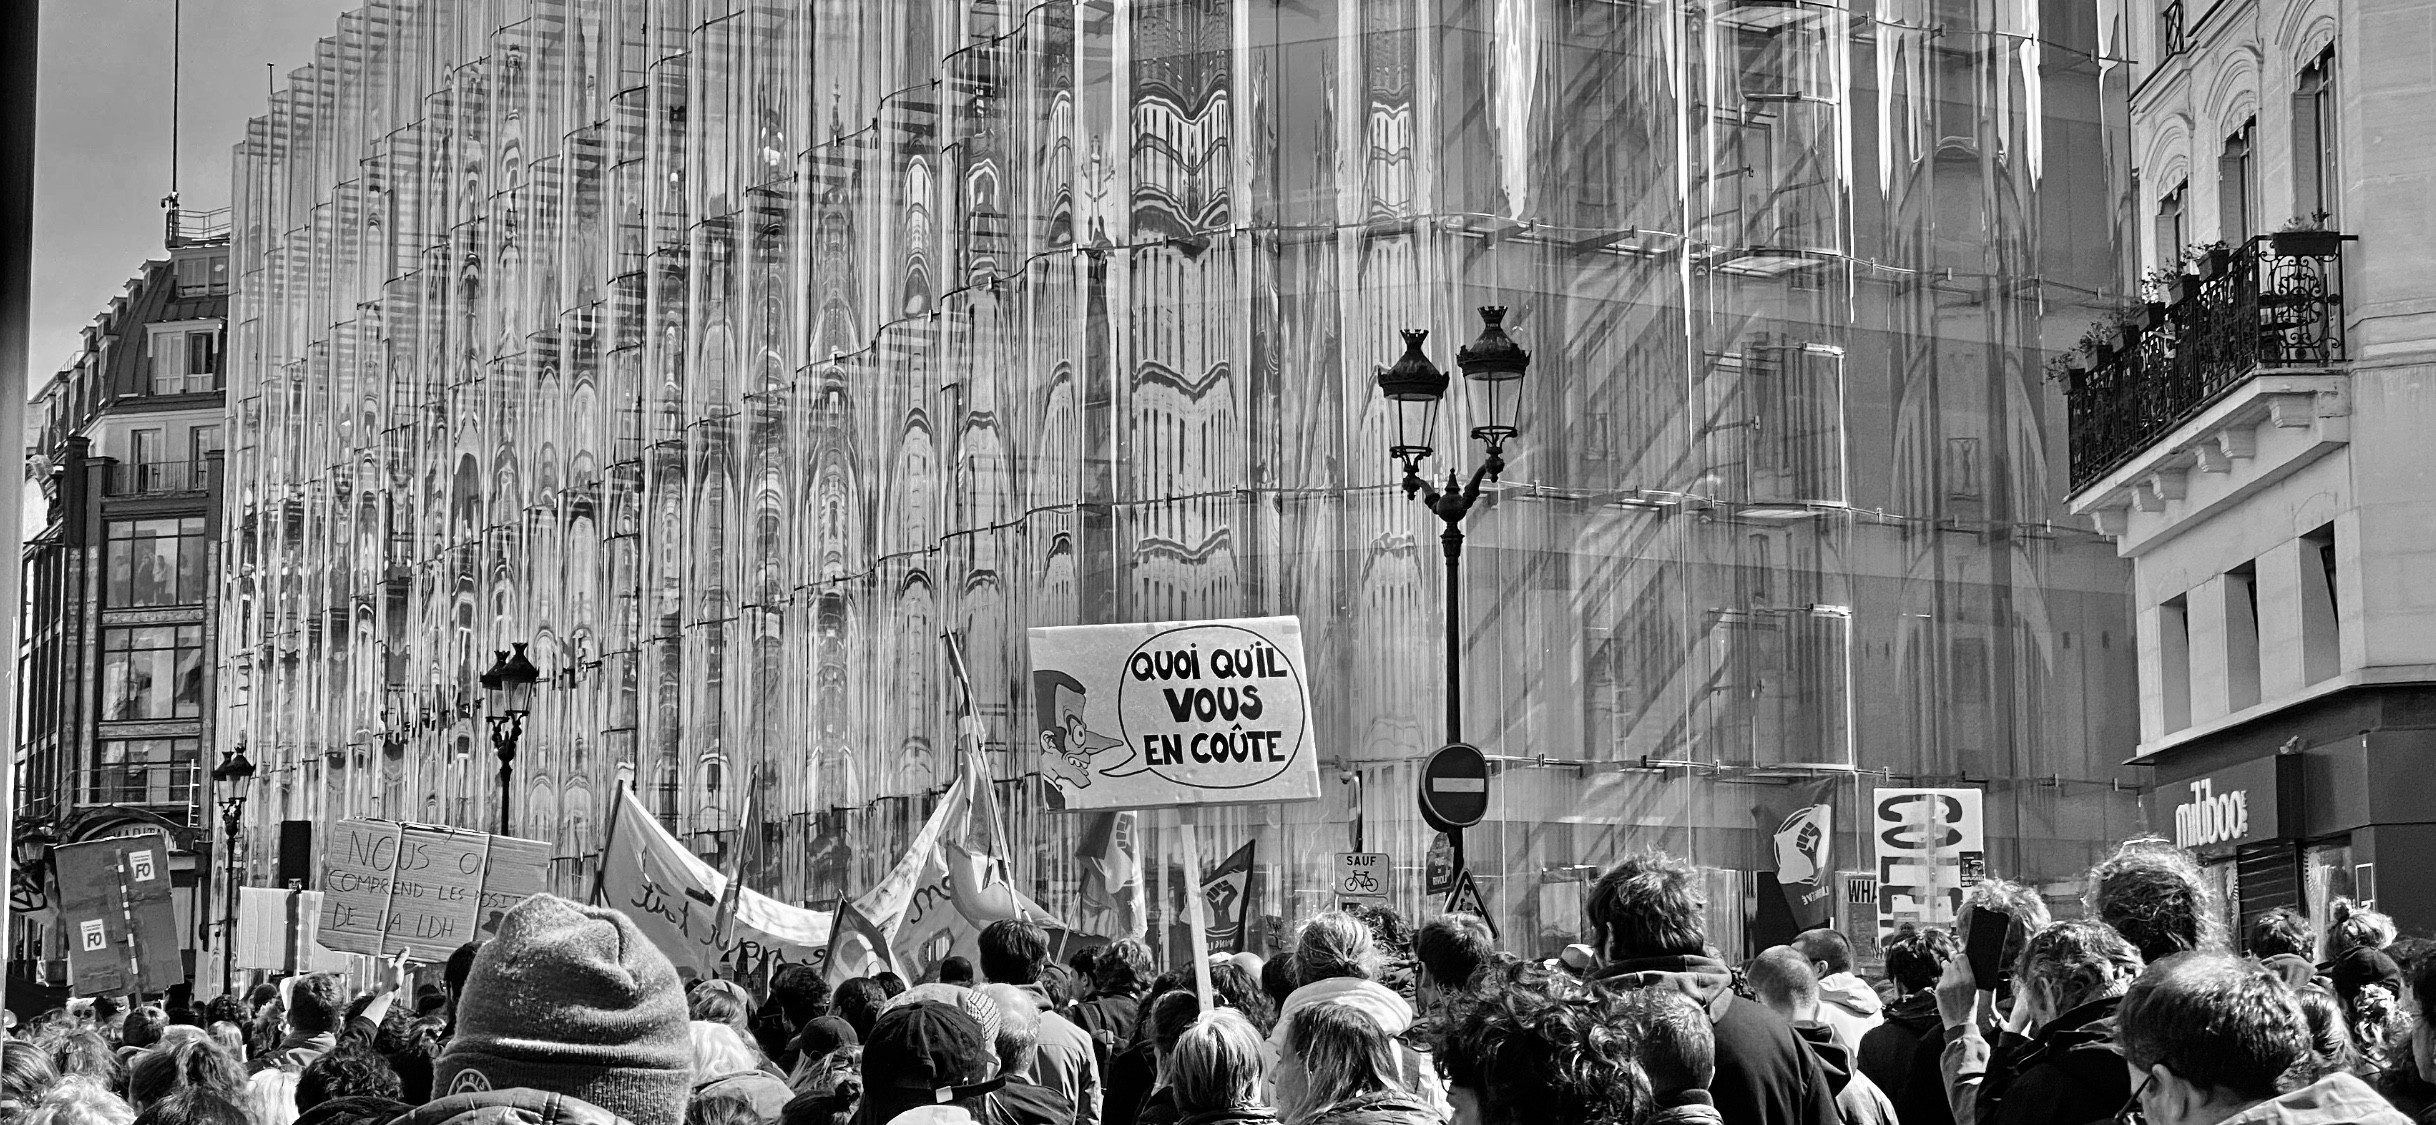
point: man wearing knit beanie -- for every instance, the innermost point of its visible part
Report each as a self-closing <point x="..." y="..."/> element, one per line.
<point x="568" y="1010"/>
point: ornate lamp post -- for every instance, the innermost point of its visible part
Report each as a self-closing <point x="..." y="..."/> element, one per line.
<point x="510" y="684"/>
<point x="234" y="773"/>
<point x="1493" y="369"/>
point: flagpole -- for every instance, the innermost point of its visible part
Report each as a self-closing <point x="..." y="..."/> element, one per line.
<point x="600" y="868"/>
<point x="1196" y="911"/>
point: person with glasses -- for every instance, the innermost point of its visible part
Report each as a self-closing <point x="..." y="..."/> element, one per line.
<point x="2206" y="1037"/>
<point x="2055" y="1064"/>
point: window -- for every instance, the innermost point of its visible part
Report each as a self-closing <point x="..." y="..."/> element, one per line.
<point x="2321" y="626"/>
<point x="185" y="361"/>
<point x="2237" y="186"/>
<point x="2174" y="664"/>
<point x="152" y="672"/>
<point x="2172" y="237"/>
<point x="205" y="441"/>
<point x="2316" y="181"/>
<point x="2171" y="38"/>
<point x="203" y="275"/>
<point x="2241" y="637"/>
<point x="144" y="771"/>
<point x="156" y="562"/>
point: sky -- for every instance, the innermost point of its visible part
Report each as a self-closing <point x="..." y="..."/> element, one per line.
<point x="101" y="161"/>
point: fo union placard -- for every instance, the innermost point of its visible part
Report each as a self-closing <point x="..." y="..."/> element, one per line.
<point x="1173" y="713"/>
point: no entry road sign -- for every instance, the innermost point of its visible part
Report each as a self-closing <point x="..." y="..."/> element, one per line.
<point x="1455" y="787"/>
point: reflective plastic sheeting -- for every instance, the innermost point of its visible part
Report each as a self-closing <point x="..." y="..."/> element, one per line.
<point x="730" y="353"/>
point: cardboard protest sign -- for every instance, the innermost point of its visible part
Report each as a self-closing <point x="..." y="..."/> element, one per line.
<point x="1155" y="715"/>
<point x="114" y="902"/>
<point x="517" y="870"/>
<point x="1931" y="844"/>
<point x="438" y="884"/>
<point x="357" y="863"/>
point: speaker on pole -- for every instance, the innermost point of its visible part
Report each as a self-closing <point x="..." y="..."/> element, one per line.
<point x="296" y="854"/>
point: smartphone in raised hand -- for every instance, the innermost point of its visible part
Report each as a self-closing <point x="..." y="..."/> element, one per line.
<point x="1984" y="947"/>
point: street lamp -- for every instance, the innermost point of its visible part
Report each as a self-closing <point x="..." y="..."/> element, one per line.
<point x="231" y="777"/>
<point x="510" y="684"/>
<point x="1493" y="369"/>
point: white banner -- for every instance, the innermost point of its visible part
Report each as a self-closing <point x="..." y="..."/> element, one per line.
<point x="1931" y="844"/>
<point x="673" y="898"/>
<point x="1154" y="715"/>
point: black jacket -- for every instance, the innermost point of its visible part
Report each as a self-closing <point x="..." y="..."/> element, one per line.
<point x="1886" y="1052"/>
<point x="1765" y="1074"/>
<point x="2069" y="1073"/>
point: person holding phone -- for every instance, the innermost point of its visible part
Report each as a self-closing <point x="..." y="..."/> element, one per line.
<point x="2053" y="1062"/>
<point x="2018" y="912"/>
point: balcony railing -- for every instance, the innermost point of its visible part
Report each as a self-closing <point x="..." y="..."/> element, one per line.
<point x="156" y="478"/>
<point x="2275" y="301"/>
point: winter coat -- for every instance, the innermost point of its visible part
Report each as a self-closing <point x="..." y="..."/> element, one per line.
<point x="297" y="1052"/>
<point x="767" y="1092"/>
<point x="1066" y="1061"/>
<point x="1885" y="1054"/>
<point x="2067" y="1073"/>
<point x="1765" y="1074"/>
<point x="518" y="1106"/>
<point x="1690" y="1107"/>
<point x="1024" y="1102"/>
<point x="1386" y="1108"/>
<point x="1922" y="1100"/>
<point x="1848" y="1005"/>
<point x="2337" y="1099"/>
<point x="1108" y="1018"/>
<point x="1288" y="1079"/>
<point x="1130" y="1077"/>
<point x="1857" y="1099"/>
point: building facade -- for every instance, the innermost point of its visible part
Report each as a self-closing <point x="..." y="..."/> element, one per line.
<point x="2255" y="441"/>
<point x="118" y="658"/>
<point x="729" y="354"/>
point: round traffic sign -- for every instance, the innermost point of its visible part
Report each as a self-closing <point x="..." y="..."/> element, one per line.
<point x="1455" y="787"/>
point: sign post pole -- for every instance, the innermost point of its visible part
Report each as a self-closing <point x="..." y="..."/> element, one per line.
<point x="1195" y="911"/>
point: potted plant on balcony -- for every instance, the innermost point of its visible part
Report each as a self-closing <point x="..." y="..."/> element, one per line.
<point x="2209" y="259"/>
<point x="2306" y="236"/>
<point x="2160" y="289"/>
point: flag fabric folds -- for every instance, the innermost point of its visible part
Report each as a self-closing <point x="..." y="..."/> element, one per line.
<point x="1228" y="894"/>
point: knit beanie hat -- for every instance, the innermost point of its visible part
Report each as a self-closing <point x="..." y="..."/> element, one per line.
<point x="573" y="1000"/>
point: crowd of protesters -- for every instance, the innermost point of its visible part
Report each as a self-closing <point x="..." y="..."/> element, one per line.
<point x="2135" y="1013"/>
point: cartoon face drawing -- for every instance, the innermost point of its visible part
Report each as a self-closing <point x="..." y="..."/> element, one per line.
<point x="1067" y="742"/>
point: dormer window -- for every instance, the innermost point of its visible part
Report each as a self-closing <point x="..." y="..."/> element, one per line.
<point x="186" y="358"/>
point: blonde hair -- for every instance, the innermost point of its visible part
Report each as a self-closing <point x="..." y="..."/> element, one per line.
<point x="2355" y="926"/>
<point x="274" y="1097"/>
<point x="1216" y="1064"/>
<point x="78" y="1100"/>
<point x="1335" y="944"/>
<point x="1344" y="1051"/>
<point x="719" y="1051"/>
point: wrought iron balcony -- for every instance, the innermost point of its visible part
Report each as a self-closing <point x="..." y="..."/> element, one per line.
<point x="155" y="478"/>
<point x="2274" y="302"/>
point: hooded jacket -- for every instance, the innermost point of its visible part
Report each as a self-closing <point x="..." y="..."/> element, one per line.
<point x="1885" y="1054"/>
<point x="2337" y="1099"/>
<point x="1389" y="1108"/>
<point x="1858" y="1100"/>
<point x="2068" y="1070"/>
<point x="1848" y="1005"/>
<point x="1065" y="1060"/>
<point x="1288" y="1079"/>
<point x="1765" y="1074"/>
<point x="509" y="1107"/>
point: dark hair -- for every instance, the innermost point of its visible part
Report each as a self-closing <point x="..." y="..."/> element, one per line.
<point x="1650" y="905"/>
<point x="1170" y="1015"/>
<point x="2153" y="894"/>
<point x="1544" y="1048"/>
<point x="2330" y="1046"/>
<point x="142" y="1027"/>
<point x="1915" y="957"/>
<point x="1453" y="947"/>
<point x="25" y="1072"/>
<point x="460" y="966"/>
<point x="195" y="1107"/>
<point x="196" y="1064"/>
<point x="1678" y="1044"/>
<point x="1236" y="989"/>
<point x="801" y="993"/>
<point x="955" y="968"/>
<point x="315" y="1003"/>
<point x="892" y="983"/>
<point x="2219" y="1022"/>
<point x="1277" y="979"/>
<point x="725" y="1107"/>
<point x="1830" y="946"/>
<point x="226" y="1008"/>
<point x="2080" y="960"/>
<point x="414" y="1056"/>
<point x="1781" y="977"/>
<point x="1085" y="962"/>
<point x="1167" y="982"/>
<point x="1123" y="967"/>
<point x="2280" y="931"/>
<point x="858" y="1002"/>
<point x="349" y="1071"/>
<point x="1013" y="951"/>
<point x="106" y="1006"/>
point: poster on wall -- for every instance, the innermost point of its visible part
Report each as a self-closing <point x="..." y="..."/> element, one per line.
<point x="1159" y="715"/>
<point x="1931" y="843"/>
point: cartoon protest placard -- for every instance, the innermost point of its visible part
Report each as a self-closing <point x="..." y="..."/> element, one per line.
<point x="1154" y="715"/>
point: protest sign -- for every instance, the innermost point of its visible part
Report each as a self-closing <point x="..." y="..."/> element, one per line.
<point x="114" y="897"/>
<point x="517" y="870"/>
<point x="1931" y="844"/>
<point x="358" y="861"/>
<point x="438" y="885"/>
<point x="673" y="897"/>
<point x="1155" y="715"/>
